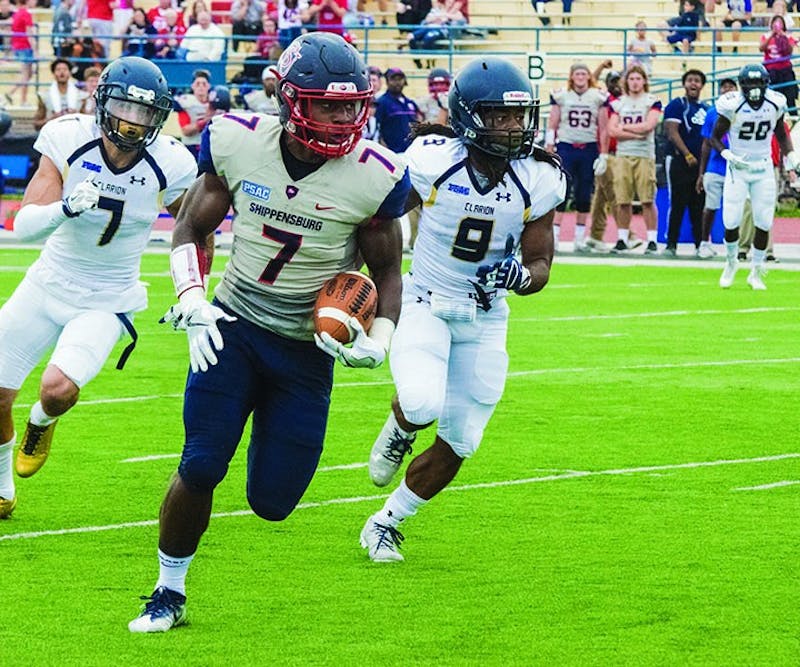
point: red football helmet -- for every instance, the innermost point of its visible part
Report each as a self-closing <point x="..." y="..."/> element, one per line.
<point x="439" y="81"/>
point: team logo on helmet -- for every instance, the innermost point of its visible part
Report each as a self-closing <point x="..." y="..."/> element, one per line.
<point x="289" y="57"/>
<point x="143" y="94"/>
<point x="516" y="97"/>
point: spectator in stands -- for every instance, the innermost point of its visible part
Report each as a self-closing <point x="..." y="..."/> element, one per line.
<point x="204" y="41"/>
<point x="22" y="47"/>
<point x="123" y="13"/>
<point x="566" y="10"/>
<point x="641" y="49"/>
<point x="264" y="100"/>
<point x="139" y="39"/>
<point x="268" y="43"/>
<point x="86" y="52"/>
<point x="61" y="97"/>
<point x="192" y="109"/>
<point x="711" y="178"/>
<point x="777" y="46"/>
<point x="684" y="27"/>
<point x="62" y="29"/>
<point x="383" y="8"/>
<point x="290" y="20"/>
<point x="91" y="77"/>
<point x="395" y="112"/>
<point x="376" y="81"/>
<point x="633" y="120"/>
<point x="158" y="16"/>
<point x="168" y="44"/>
<point x="779" y="9"/>
<point x="328" y="15"/>
<point x="411" y="13"/>
<point x="739" y="15"/>
<point x="683" y="123"/>
<point x="434" y="106"/>
<point x="100" y="16"/>
<point x="197" y="7"/>
<point x="246" y="19"/>
<point x="572" y="130"/>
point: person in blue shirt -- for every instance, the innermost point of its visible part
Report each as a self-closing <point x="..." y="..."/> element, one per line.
<point x="682" y="29"/>
<point x="395" y="112"/>
<point x="683" y="121"/>
<point x="711" y="177"/>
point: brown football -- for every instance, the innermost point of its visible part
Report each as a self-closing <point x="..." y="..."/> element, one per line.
<point x="346" y="295"/>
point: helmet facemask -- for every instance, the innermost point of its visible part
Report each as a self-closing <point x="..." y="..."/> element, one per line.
<point x="331" y="140"/>
<point x="131" y="120"/>
<point x="511" y="144"/>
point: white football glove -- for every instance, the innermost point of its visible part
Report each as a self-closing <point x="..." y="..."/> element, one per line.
<point x="199" y="319"/>
<point x="365" y="352"/>
<point x="600" y="164"/>
<point x="85" y="196"/>
<point x="733" y="160"/>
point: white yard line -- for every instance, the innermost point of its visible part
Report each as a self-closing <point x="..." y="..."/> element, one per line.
<point x="766" y="487"/>
<point x="464" y="487"/>
<point x="664" y="313"/>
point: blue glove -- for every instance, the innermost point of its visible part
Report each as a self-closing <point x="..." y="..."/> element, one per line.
<point x="508" y="274"/>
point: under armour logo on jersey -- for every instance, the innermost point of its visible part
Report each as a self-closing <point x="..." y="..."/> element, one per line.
<point x="291" y="191"/>
<point x="499" y="196"/>
<point x="135" y="180"/>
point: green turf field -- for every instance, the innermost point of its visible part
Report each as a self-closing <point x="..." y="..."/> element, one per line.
<point x="635" y="502"/>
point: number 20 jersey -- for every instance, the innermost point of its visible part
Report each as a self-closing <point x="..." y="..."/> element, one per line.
<point x="289" y="237"/>
<point x="463" y="225"/>
<point x="751" y="129"/>
<point x="94" y="260"/>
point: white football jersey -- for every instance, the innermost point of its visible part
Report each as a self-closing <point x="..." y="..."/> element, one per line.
<point x="95" y="257"/>
<point x="289" y="237"/>
<point x="634" y="110"/>
<point x="462" y="225"/>
<point x="751" y="129"/>
<point x="578" y="117"/>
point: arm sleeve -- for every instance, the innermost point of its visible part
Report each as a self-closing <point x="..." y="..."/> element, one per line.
<point x="394" y="204"/>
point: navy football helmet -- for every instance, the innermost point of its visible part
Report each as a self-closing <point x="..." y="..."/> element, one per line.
<point x="753" y="82"/>
<point x="219" y="97"/>
<point x="493" y="83"/>
<point x="133" y="102"/>
<point x="322" y="66"/>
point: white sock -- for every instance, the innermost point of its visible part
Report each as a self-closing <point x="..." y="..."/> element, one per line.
<point x="172" y="572"/>
<point x="623" y="235"/>
<point x="580" y="232"/>
<point x="758" y="257"/>
<point x="540" y="7"/>
<point x="731" y="250"/>
<point x="39" y="417"/>
<point x="556" y="233"/>
<point x="652" y="235"/>
<point x="402" y="504"/>
<point x="7" y="468"/>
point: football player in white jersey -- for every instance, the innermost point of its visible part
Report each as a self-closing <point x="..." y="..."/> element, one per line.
<point x="486" y="193"/>
<point x="312" y="199"/>
<point x="750" y="117"/>
<point x="573" y="128"/>
<point x="99" y="188"/>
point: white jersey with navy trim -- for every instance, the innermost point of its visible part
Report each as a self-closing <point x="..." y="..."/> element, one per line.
<point x="289" y="236"/>
<point x="94" y="260"/>
<point x="462" y="224"/>
<point x="578" y="114"/>
<point x="751" y="129"/>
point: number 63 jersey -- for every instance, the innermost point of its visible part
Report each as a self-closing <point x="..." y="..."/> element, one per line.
<point x="464" y="224"/>
<point x="94" y="260"/>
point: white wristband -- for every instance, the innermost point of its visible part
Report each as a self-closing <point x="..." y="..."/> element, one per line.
<point x="381" y="331"/>
<point x="184" y="265"/>
<point x="34" y="221"/>
<point x="549" y="137"/>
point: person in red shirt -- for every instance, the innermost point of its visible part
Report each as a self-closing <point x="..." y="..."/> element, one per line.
<point x="100" y="16"/>
<point x="158" y="17"/>
<point x="329" y="15"/>
<point x="267" y="44"/>
<point x="22" y="48"/>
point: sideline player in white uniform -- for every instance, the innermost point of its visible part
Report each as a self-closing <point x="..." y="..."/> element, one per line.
<point x="573" y="129"/>
<point x="98" y="190"/>
<point x="311" y="199"/>
<point x="485" y="191"/>
<point x="750" y="116"/>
